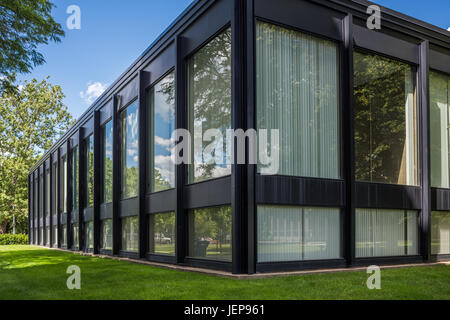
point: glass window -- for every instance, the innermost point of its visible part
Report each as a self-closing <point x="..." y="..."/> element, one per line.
<point x="41" y="236"/>
<point x="439" y="129"/>
<point x="162" y="233"/>
<point x="385" y="120"/>
<point x="89" y="234"/>
<point x="288" y="233"/>
<point x="75" y="170"/>
<point x="129" y="151"/>
<point x="47" y="194"/>
<point x="64" y="235"/>
<point x="209" y="89"/>
<point x="381" y="232"/>
<point x="75" y="231"/>
<point x="41" y="197"/>
<point x="210" y="233"/>
<point x="55" y="236"/>
<point x="130" y="234"/>
<point x="106" y="234"/>
<point x="47" y="236"/>
<point x="64" y="185"/>
<point x="89" y="145"/>
<point x="440" y="232"/>
<point x="297" y="94"/>
<point x="107" y="159"/>
<point x="162" y="117"/>
<point x="55" y="184"/>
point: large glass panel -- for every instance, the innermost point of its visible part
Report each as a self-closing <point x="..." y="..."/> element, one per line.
<point x="55" y="236"/>
<point x="106" y="234"/>
<point x="439" y="129"/>
<point x="385" y="120"/>
<point x="107" y="165"/>
<point x="129" y="151"/>
<point x="381" y="232"/>
<point x="130" y="234"/>
<point x="89" y="234"/>
<point x="47" y="236"/>
<point x="41" y="236"/>
<point x="89" y="145"/>
<point x="161" y="146"/>
<point x="64" y="235"/>
<point x="297" y="94"/>
<point x="75" y="170"/>
<point x="64" y="185"/>
<point x="210" y="233"/>
<point x="75" y="231"/>
<point x="440" y="232"/>
<point x="41" y="197"/>
<point x="162" y="233"/>
<point x="287" y="233"/>
<point x="47" y="194"/>
<point x="55" y="187"/>
<point x="209" y="90"/>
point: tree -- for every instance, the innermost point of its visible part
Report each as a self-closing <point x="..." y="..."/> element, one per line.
<point x="24" y="24"/>
<point x="31" y="120"/>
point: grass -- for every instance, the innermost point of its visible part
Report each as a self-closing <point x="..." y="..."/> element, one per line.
<point x="35" y="273"/>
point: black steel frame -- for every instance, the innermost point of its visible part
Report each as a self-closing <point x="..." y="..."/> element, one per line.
<point x="401" y="37"/>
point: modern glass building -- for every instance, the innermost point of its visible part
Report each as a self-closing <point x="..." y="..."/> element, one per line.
<point x="364" y="153"/>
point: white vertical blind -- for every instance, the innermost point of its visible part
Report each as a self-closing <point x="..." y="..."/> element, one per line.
<point x="287" y="233"/>
<point x="440" y="232"/>
<point x="381" y="232"/>
<point x="410" y="126"/>
<point x="297" y="93"/>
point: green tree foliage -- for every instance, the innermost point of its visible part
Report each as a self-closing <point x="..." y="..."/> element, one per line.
<point x="24" y="24"/>
<point x="31" y="119"/>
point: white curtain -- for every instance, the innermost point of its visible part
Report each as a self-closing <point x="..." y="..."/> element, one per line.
<point x="439" y="130"/>
<point x="381" y="232"/>
<point x="287" y="233"/>
<point x="440" y="232"/>
<point x="297" y="93"/>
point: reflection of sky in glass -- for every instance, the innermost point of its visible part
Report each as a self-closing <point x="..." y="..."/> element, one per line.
<point x="130" y="129"/>
<point x="108" y="140"/>
<point x="107" y="162"/>
<point x="164" y="125"/>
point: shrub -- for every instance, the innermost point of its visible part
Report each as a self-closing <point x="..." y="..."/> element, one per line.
<point x="9" y="239"/>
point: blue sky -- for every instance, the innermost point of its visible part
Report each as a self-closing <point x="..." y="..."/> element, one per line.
<point x="115" y="32"/>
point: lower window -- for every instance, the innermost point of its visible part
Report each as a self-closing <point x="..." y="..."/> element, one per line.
<point x="64" y="235"/>
<point x="55" y="236"/>
<point x="106" y="234"/>
<point x="384" y="233"/>
<point x="47" y="236"/>
<point x="210" y="233"/>
<point x="440" y="232"/>
<point x="288" y="233"/>
<point x="162" y="233"/>
<point x="75" y="231"/>
<point x="130" y="234"/>
<point x="41" y="236"/>
<point x="89" y="234"/>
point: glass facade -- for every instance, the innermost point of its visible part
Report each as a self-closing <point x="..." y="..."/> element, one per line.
<point x="162" y="119"/>
<point x="384" y="233"/>
<point x="210" y="233"/>
<point x="440" y="232"/>
<point x="439" y="129"/>
<point x="64" y="235"/>
<point x="107" y="162"/>
<point x="47" y="194"/>
<point x="209" y="94"/>
<point x="55" y="236"/>
<point x="162" y="233"/>
<point x="130" y="234"/>
<point x="89" y="154"/>
<point x="75" y="170"/>
<point x="129" y="151"/>
<point x="75" y="235"/>
<point x="297" y="94"/>
<point x="288" y="233"/>
<point x="89" y="235"/>
<point x="64" y="185"/>
<point x="106" y="234"/>
<point x="385" y="120"/>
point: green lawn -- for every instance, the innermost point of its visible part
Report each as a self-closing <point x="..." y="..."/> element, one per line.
<point x="35" y="273"/>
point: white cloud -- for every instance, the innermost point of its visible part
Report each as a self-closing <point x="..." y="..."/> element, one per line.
<point x="93" y="91"/>
<point x="448" y="29"/>
<point x="167" y="143"/>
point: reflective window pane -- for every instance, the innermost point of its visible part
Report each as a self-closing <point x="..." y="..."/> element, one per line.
<point x="439" y="130"/>
<point x="209" y="90"/>
<point x="89" y="234"/>
<point x="64" y="185"/>
<point x="75" y="171"/>
<point x="107" y="162"/>
<point x="129" y="151"/>
<point x="89" y="145"/>
<point x="297" y="94"/>
<point x="47" y="194"/>
<point x="130" y="234"/>
<point x="210" y="233"/>
<point x="440" y="232"/>
<point x="106" y="234"/>
<point x="64" y="235"/>
<point x="162" y="118"/>
<point x="385" y="120"/>
<point x="162" y="233"/>
<point x="381" y="232"/>
<point x="288" y="233"/>
<point x="75" y="234"/>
